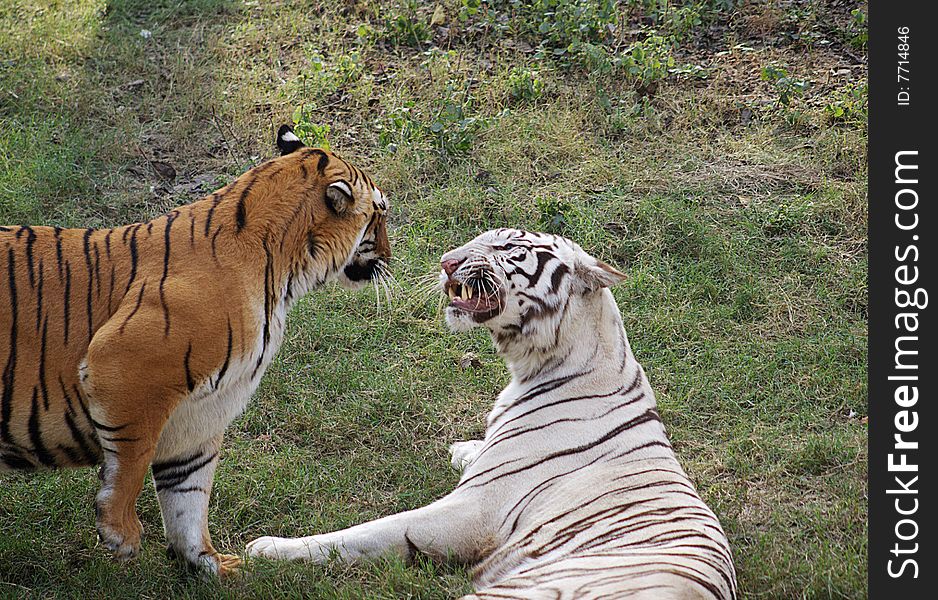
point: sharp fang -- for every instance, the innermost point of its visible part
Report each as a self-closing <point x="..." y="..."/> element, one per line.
<point x="464" y="292"/>
<point x="469" y="288"/>
<point x="452" y="294"/>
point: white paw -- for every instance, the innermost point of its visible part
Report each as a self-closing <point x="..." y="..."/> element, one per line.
<point x="286" y="549"/>
<point x="464" y="453"/>
<point x="269" y="547"/>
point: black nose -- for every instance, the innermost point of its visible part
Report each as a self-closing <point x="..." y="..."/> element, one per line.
<point x="450" y="266"/>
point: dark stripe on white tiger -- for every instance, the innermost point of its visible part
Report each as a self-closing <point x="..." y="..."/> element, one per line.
<point x="575" y="491"/>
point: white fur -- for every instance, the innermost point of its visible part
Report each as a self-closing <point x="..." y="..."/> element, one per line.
<point x="575" y="490"/>
<point x="342" y="186"/>
<point x="289" y="136"/>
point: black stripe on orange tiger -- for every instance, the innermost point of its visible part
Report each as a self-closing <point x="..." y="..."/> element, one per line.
<point x="66" y="301"/>
<point x="35" y="434"/>
<point x="216" y="198"/>
<point x="241" y="208"/>
<point x="42" y="364"/>
<point x="190" y="383"/>
<point x="191" y="227"/>
<point x="224" y="366"/>
<point x="133" y="256"/>
<point x="268" y="305"/>
<point x="89" y="449"/>
<point x="57" y="233"/>
<point x="97" y="270"/>
<point x="9" y="372"/>
<point x="101" y="426"/>
<point x="89" y="309"/>
<point x="118" y="439"/>
<point x="214" y="241"/>
<point x="166" y="254"/>
<point x="143" y="288"/>
<point x="30" y="240"/>
<point x="323" y="161"/>
<point x="81" y="402"/>
<point x="39" y="285"/>
<point x="110" y="290"/>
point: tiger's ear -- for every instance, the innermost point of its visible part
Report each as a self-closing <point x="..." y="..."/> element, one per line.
<point x="339" y="197"/>
<point x="597" y="274"/>
<point x="287" y="141"/>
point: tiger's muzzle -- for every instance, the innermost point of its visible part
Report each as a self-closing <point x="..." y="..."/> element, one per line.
<point x="474" y="290"/>
<point x="371" y="259"/>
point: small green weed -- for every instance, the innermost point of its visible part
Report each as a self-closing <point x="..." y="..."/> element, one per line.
<point x="312" y="133"/>
<point x="407" y="27"/>
<point x="849" y="104"/>
<point x="553" y="215"/>
<point x="786" y="86"/>
<point x="858" y="29"/>
<point x="524" y="85"/>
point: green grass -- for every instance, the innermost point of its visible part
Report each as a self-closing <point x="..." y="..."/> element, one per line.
<point x="740" y="222"/>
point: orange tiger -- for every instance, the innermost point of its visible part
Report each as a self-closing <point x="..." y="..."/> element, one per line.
<point x="135" y="347"/>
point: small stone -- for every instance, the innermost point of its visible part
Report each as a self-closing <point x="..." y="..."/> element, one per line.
<point x="470" y="360"/>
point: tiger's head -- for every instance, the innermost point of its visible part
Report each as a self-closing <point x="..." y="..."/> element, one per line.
<point x="520" y="285"/>
<point x="345" y="205"/>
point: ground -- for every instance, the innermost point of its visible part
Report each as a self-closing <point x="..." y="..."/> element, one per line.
<point x="720" y="163"/>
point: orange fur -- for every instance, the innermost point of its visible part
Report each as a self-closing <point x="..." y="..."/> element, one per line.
<point x="107" y="333"/>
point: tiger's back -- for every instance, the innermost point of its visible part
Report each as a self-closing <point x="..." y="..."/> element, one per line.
<point x="53" y="298"/>
<point x="63" y="285"/>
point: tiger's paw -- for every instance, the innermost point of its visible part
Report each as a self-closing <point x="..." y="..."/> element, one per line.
<point x="208" y="562"/>
<point x="269" y="547"/>
<point x="229" y="565"/>
<point x="287" y="549"/>
<point x="124" y="546"/>
<point x="464" y="453"/>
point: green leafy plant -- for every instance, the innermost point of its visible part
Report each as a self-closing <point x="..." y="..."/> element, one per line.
<point x="681" y="20"/>
<point x="449" y="126"/>
<point x="553" y="214"/>
<point x="312" y="133"/>
<point x="399" y="127"/>
<point x="849" y="104"/>
<point x="561" y="22"/>
<point x="647" y="61"/>
<point x="453" y="129"/>
<point x="323" y="77"/>
<point x="858" y="29"/>
<point x="469" y="8"/>
<point x="524" y="85"/>
<point x="407" y="27"/>
<point x="786" y="86"/>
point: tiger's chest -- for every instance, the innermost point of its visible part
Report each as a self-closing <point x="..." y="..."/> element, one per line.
<point x="208" y="410"/>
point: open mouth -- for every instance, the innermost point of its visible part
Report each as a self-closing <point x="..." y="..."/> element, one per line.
<point x="473" y="297"/>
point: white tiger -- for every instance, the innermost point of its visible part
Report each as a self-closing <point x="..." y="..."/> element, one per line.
<point x="575" y="492"/>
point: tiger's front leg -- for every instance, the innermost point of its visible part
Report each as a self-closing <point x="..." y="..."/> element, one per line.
<point x="135" y="379"/>
<point x="128" y="439"/>
<point x="450" y="527"/>
<point x="183" y="486"/>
